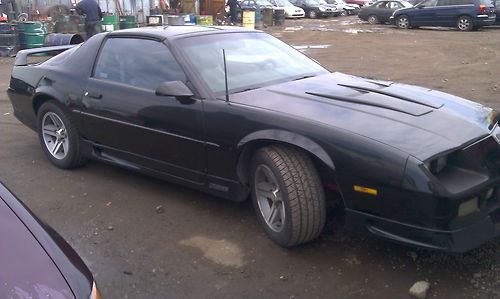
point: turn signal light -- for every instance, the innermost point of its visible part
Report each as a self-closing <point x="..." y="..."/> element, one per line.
<point x="367" y="190"/>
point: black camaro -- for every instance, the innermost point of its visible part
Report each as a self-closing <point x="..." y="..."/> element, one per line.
<point x="235" y="112"/>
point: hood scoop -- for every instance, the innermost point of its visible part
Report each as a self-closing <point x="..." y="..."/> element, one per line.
<point x="394" y="95"/>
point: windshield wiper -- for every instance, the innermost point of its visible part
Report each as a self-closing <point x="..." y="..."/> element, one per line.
<point x="304" y="77"/>
<point x="246" y="89"/>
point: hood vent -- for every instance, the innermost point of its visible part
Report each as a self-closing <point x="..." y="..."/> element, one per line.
<point x="394" y="95"/>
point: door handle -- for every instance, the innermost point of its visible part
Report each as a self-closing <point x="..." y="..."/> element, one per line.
<point x="93" y="95"/>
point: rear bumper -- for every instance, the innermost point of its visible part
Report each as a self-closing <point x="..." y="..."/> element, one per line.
<point x="458" y="241"/>
<point x="484" y="20"/>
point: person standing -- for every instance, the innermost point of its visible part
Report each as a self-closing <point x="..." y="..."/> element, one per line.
<point x="93" y="16"/>
<point x="233" y="5"/>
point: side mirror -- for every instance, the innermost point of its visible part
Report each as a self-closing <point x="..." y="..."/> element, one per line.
<point x="174" y="89"/>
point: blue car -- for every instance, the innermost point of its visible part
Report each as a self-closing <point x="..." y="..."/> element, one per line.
<point x="466" y="15"/>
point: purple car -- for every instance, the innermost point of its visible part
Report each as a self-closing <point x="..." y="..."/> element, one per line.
<point x="35" y="261"/>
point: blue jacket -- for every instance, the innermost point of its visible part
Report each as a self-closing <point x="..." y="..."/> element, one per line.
<point x="91" y="9"/>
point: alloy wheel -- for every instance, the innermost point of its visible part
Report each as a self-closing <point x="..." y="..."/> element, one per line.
<point x="269" y="198"/>
<point x="403" y="22"/>
<point x="464" y="24"/>
<point x="55" y="136"/>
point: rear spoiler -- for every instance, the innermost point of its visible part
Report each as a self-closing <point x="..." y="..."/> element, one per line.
<point x="22" y="56"/>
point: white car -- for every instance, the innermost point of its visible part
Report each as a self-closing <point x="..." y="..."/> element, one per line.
<point x="291" y="11"/>
<point x="345" y="8"/>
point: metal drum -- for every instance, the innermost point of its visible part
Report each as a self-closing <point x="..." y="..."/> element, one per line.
<point x="32" y="34"/>
<point x="249" y="18"/>
<point x="279" y="17"/>
<point x="110" y="23"/>
<point x="267" y="16"/>
<point x="9" y="39"/>
<point x="127" y="22"/>
<point x="60" y="39"/>
<point x="175" y="20"/>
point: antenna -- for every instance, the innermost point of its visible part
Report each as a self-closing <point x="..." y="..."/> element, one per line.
<point x="225" y="74"/>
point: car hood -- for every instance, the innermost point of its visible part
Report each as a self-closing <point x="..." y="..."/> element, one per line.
<point x="419" y="121"/>
<point x="27" y="270"/>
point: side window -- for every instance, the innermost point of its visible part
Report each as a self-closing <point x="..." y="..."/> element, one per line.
<point x="382" y="5"/>
<point x="394" y="5"/>
<point x="430" y="3"/>
<point x="137" y="62"/>
<point x="447" y="2"/>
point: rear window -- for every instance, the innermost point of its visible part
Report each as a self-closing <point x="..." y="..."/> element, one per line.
<point x="488" y="3"/>
<point x="456" y="2"/>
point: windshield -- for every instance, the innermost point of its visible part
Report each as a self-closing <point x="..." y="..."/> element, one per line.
<point x="283" y="3"/>
<point x="322" y="2"/>
<point x="263" y="3"/>
<point x="253" y="60"/>
<point x="312" y="2"/>
<point x="406" y="4"/>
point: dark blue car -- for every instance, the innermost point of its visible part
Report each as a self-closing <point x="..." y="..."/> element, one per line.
<point x="466" y="15"/>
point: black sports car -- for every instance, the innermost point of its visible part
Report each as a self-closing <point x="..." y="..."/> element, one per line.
<point x="235" y="112"/>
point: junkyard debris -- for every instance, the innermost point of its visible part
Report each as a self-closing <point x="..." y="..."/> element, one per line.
<point x="420" y="289"/>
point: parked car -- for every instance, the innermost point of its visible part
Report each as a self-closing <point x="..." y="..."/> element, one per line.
<point x="344" y="8"/>
<point x="361" y="3"/>
<point x="336" y="10"/>
<point x="36" y="261"/>
<point x="497" y="11"/>
<point x="405" y="163"/>
<point x="313" y="8"/>
<point x="381" y="11"/>
<point x="466" y="15"/>
<point x="291" y="11"/>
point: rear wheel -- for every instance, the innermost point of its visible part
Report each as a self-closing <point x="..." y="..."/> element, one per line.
<point x="59" y="137"/>
<point x="287" y="195"/>
<point x="372" y="19"/>
<point x="403" y="22"/>
<point x="312" y="14"/>
<point x="464" y="23"/>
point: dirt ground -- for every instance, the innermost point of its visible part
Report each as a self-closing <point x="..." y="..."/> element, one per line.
<point x="205" y="247"/>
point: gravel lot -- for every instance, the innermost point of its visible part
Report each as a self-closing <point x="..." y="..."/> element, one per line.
<point x="205" y="247"/>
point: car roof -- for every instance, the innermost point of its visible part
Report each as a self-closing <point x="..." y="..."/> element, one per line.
<point x="171" y="32"/>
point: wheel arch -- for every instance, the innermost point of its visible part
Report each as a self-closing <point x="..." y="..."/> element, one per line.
<point x="44" y="94"/>
<point x="252" y="142"/>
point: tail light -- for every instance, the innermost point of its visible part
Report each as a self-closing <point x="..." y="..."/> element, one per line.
<point x="482" y="8"/>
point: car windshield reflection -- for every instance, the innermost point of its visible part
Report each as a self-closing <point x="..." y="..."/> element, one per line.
<point x="252" y="59"/>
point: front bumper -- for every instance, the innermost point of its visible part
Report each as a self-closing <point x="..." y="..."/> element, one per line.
<point x="457" y="240"/>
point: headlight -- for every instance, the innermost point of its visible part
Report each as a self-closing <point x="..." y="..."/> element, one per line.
<point x="468" y="207"/>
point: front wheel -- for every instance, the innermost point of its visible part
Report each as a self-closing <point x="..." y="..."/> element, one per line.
<point x="287" y="195"/>
<point x="344" y="13"/>
<point x="464" y="23"/>
<point x="312" y="14"/>
<point x="59" y="137"/>
<point x="403" y="22"/>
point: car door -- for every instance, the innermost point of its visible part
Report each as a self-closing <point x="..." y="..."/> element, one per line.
<point x="424" y="14"/>
<point x="129" y="122"/>
<point x="446" y="12"/>
<point x="381" y="10"/>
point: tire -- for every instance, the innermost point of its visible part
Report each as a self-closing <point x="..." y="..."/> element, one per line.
<point x="286" y="185"/>
<point x="312" y="14"/>
<point x="403" y="22"/>
<point x="59" y="137"/>
<point x="464" y="23"/>
<point x="372" y="19"/>
<point x="344" y="13"/>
